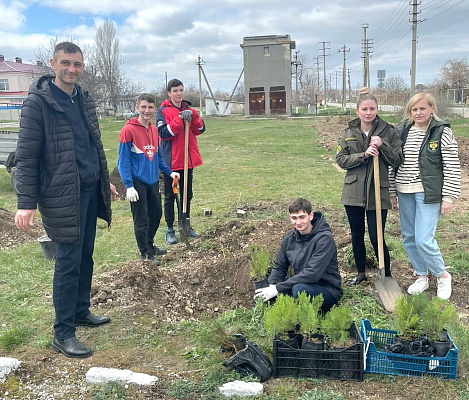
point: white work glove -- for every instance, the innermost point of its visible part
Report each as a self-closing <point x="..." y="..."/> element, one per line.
<point x="175" y="175"/>
<point x="267" y="293"/>
<point x="131" y="194"/>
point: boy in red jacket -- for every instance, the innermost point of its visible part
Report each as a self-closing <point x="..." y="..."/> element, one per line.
<point x="139" y="165"/>
<point x="170" y="119"/>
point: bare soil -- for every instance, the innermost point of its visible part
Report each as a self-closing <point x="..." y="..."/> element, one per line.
<point x="10" y="236"/>
<point x="209" y="279"/>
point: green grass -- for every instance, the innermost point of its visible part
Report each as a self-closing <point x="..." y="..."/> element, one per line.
<point x="246" y="161"/>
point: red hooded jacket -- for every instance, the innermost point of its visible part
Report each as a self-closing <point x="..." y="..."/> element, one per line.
<point x="171" y="131"/>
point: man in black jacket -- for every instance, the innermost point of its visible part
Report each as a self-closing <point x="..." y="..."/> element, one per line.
<point x="61" y="168"/>
<point x="311" y="251"/>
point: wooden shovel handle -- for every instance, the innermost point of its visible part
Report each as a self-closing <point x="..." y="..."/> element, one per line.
<point x="379" y="224"/>
<point x="186" y="165"/>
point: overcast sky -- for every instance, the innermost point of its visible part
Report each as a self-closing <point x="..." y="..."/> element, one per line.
<point x="161" y="37"/>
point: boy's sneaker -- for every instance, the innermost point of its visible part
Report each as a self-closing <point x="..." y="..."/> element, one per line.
<point x="420" y="285"/>
<point x="150" y="257"/>
<point x="155" y="251"/>
<point x="171" y="236"/>
<point x="192" y="233"/>
<point x="443" y="287"/>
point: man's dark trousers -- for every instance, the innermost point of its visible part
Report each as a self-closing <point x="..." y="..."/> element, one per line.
<point x="74" y="270"/>
<point x="146" y="213"/>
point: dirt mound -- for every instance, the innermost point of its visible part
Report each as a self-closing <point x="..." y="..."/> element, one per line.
<point x="210" y="278"/>
<point x="10" y="236"/>
<point x="115" y="179"/>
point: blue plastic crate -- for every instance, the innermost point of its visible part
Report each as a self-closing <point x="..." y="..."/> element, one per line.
<point x="381" y="362"/>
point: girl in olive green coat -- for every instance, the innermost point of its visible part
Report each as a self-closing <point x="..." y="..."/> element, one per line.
<point x="367" y="136"/>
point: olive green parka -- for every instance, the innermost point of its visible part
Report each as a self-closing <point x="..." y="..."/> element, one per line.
<point x="358" y="189"/>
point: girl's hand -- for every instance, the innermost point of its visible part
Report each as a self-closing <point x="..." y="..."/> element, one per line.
<point x="371" y="151"/>
<point x="446" y="208"/>
<point x="376" y="140"/>
<point x="394" y="204"/>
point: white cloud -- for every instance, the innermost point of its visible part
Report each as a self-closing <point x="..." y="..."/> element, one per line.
<point x="12" y="16"/>
<point x="159" y="37"/>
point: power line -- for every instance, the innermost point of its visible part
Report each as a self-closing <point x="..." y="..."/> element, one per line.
<point x="428" y="8"/>
<point x="446" y="10"/>
<point x="389" y="31"/>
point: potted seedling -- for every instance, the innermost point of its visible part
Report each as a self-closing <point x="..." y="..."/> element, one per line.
<point x="408" y="320"/>
<point x="309" y="321"/>
<point x="259" y="266"/>
<point x="280" y="320"/>
<point x="435" y="319"/>
<point x="337" y="326"/>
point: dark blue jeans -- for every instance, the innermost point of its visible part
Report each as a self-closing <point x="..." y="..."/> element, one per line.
<point x="314" y="290"/>
<point x="74" y="271"/>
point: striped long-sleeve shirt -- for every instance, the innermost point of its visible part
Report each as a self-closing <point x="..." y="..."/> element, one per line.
<point x="408" y="176"/>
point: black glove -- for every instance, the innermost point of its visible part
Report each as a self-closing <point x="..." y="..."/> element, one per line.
<point x="186" y="115"/>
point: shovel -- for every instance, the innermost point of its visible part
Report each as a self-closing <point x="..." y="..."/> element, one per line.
<point x="182" y="234"/>
<point x="387" y="287"/>
<point x="185" y="222"/>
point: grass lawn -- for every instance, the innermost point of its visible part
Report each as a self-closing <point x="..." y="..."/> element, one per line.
<point x="246" y="161"/>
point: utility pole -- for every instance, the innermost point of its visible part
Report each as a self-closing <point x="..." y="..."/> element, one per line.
<point x="343" y="50"/>
<point x="324" y="48"/>
<point x="166" y="80"/>
<point x="296" y="63"/>
<point x="336" y="76"/>
<point x="349" y="87"/>
<point x="413" y="67"/>
<point x="316" y="63"/>
<point x="199" y="63"/>
<point x="365" y="55"/>
<point x="369" y="50"/>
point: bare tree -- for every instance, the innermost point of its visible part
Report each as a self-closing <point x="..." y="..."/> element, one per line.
<point x="129" y="92"/>
<point x="395" y="89"/>
<point x="307" y="81"/>
<point x="107" y="62"/>
<point x="454" y="75"/>
<point x="239" y="94"/>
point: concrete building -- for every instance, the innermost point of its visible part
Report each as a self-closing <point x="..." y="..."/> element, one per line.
<point x="267" y="74"/>
<point x="15" y="79"/>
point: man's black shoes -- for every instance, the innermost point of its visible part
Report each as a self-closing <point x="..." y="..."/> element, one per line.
<point x="155" y="251"/>
<point x="71" y="348"/>
<point x="92" y="320"/>
<point x="151" y="258"/>
<point x="356" y="281"/>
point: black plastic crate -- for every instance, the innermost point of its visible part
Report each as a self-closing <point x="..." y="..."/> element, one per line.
<point x="344" y="364"/>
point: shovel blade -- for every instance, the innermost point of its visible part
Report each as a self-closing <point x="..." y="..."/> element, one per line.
<point x="184" y="227"/>
<point x="388" y="291"/>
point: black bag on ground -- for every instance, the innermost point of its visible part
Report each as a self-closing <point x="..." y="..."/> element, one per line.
<point x="251" y="360"/>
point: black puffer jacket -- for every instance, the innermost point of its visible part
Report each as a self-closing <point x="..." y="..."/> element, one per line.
<point x="312" y="256"/>
<point x="46" y="169"/>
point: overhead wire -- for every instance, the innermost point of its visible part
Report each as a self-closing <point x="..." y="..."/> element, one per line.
<point x="428" y="8"/>
<point x="388" y="31"/>
<point x="446" y="10"/>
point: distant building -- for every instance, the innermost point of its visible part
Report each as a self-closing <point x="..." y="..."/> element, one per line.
<point x="224" y="107"/>
<point x="267" y="74"/>
<point x="15" y="79"/>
